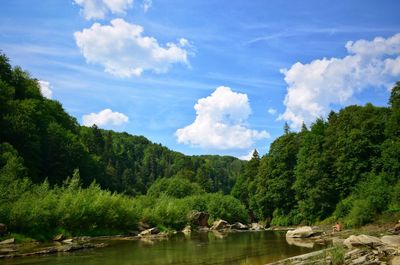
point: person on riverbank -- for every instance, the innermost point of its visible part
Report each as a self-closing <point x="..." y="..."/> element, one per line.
<point x="337" y="227"/>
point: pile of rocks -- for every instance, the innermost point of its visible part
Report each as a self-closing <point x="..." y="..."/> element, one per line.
<point x="364" y="249"/>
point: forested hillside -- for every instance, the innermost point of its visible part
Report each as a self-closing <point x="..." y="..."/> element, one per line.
<point x="344" y="168"/>
<point x="52" y="145"/>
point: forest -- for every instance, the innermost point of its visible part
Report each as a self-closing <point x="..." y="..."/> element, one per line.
<point x="57" y="176"/>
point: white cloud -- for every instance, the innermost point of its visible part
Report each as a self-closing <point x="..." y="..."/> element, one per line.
<point x="45" y="89"/>
<point x="314" y="87"/>
<point x="220" y="122"/>
<point x="124" y="52"/>
<point x="248" y="156"/>
<point x="104" y="118"/>
<point x="95" y="9"/>
<point x="146" y="5"/>
<point x="272" y="111"/>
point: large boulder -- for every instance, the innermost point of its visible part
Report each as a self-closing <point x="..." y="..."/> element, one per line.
<point x="199" y="218"/>
<point x="3" y="229"/>
<point x="219" y="225"/>
<point x="301" y="232"/>
<point x="391" y="240"/>
<point x="151" y="231"/>
<point x="239" y="226"/>
<point x="362" y="240"/>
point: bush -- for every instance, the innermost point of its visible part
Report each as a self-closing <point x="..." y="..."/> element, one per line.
<point x="361" y="213"/>
<point x="174" y="187"/>
<point x="226" y="207"/>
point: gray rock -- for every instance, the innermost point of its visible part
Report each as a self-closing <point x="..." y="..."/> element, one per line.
<point x="151" y="231"/>
<point x="8" y="241"/>
<point x="68" y="241"/>
<point x="59" y="237"/>
<point x="360" y="260"/>
<point x="6" y="250"/>
<point x="199" y="218"/>
<point x="219" y="225"/>
<point x="362" y="240"/>
<point x="256" y="227"/>
<point x="391" y="240"/>
<point x="239" y="226"/>
<point x="302" y="232"/>
<point x="395" y="260"/>
<point x="143" y="226"/>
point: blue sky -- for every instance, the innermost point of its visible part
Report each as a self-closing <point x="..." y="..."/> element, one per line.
<point x="142" y="66"/>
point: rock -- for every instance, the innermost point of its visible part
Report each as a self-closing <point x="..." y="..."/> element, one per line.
<point x="199" y="218"/>
<point x="302" y="232"/>
<point x="219" y="225"/>
<point x="391" y="240"/>
<point x="59" y="237"/>
<point x="395" y="260"/>
<point x="337" y="241"/>
<point x="151" y="231"/>
<point x="143" y="226"/>
<point x="239" y="226"/>
<point x="362" y="240"/>
<point x="8" y="241"/>
<point x="6" y="251"/>
<point x="187" y="230"/>
<point x="256" y="226"/>
<point x="360" y="260"/>
<point x="397" y="228"/>
<point x="68" y="241"/>
<point x="3" y="229"/>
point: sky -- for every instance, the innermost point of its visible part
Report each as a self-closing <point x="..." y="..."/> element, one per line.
<point x="205" y="77"/>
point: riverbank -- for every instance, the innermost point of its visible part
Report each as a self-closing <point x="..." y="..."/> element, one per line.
<point x="372" y="244"/>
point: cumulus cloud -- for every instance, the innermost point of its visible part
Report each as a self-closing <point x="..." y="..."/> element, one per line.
<point x="45" y="89"/>
<point x="272" y="111"/>
<point x="124" y="52"/>
<point x="248" y="156"/>
<point x="314" y="87"/>
<point x="105" y="117"/>
<point x="221" y="122"/>
<point x="95" y="9"/>
<point x="146" y="5"/>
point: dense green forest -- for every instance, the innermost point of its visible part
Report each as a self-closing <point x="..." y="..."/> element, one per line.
<point x="344" y="168"/>
<point x="57" y="176"/>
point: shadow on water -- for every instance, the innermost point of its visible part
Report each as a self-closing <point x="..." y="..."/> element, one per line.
<point x="211" y="248"/>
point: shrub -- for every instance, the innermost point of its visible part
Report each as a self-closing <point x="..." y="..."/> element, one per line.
<point x="226" y="207"/>
<point x="174" y="187"/>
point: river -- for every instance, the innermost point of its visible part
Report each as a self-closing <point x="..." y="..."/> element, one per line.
<point x="242" y="248"/>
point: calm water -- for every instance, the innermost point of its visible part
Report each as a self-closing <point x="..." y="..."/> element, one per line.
<point x="255" y="248"/>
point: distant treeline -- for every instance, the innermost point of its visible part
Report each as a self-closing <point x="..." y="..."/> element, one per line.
<point x="344" y="168"/>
